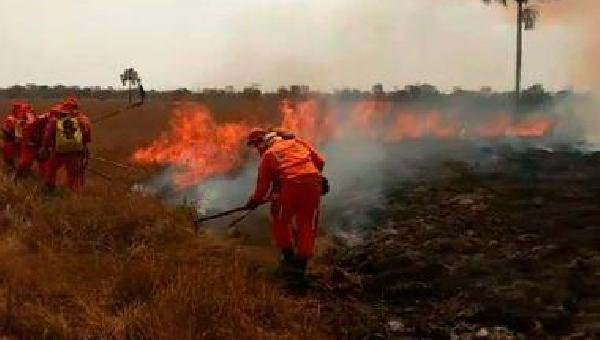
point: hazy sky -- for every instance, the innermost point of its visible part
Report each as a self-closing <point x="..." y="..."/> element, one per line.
<point x="324" y="43"/>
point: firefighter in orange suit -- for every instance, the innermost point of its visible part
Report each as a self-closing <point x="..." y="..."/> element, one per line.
<point x="65" y="142"/>
<point x="290" y="177"/>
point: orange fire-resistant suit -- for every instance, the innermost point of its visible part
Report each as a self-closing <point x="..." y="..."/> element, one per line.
<point x="12" y="133"/>
<point x="33" y="136"/>
<point x="76" y="137"/>
<point x="291" y="169"/>
<point x="29" y="142"/>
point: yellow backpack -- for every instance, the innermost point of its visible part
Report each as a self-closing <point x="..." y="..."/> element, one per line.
<point x="69" y="137"/>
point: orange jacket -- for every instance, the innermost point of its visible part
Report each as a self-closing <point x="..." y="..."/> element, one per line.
<point x="14" y="123"/>
<point x="34" y="129"/>
<point x="8" y="128"/>
<point x="287" y="160"/>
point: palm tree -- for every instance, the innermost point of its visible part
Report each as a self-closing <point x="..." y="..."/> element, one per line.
<point x="526" y="19"/>
<point x="130" y="77"/>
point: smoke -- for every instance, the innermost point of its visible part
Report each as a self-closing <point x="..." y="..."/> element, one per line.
<point x="583" y="16"/>
<point x="362" y="168"/>
<point x="582" y="49"/>
<point x="579" y="19"/>
<point x="363" y="160"/>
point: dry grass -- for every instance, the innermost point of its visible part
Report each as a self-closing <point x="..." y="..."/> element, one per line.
<point x="109" y="263"/>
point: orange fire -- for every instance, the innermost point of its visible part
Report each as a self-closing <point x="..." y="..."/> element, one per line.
<point x="505" y="126"/>
<point x="410" y="125"/>
<point x="200" y="148"/>
<point x="494" y="128"/>
<point x="367" y="115"/>
<point x="531" y="128"/>
<point x="377" y="120"/>
<point x="196" y="145"/>
<point x="303" y="119"/>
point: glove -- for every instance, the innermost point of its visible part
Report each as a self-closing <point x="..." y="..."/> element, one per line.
<point x="252" y="204"/>
<point x="7" y="136"/>
<point x="43" y="154"/>
<point x="324" y="186"/>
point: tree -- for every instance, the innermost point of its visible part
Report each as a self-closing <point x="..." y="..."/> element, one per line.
<point x="526" y="19"/>
<point x="130" y="77"/>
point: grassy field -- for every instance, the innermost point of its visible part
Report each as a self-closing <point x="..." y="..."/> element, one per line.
<point x="109" y="263"/>
<point x="454" y="252"/>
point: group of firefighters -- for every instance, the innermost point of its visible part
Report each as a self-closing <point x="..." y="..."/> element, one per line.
<point x="49" y="140"/>
<point x="289" y="176"/>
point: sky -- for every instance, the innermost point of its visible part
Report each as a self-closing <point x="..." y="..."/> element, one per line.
<point x="327" y="44"/>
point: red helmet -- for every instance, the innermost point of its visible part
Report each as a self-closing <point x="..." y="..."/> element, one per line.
<point x="17" y="107"/>
<point x="71" y="104"/>
<point x="26" y="107"/>
<point x="20" y="109"/>
<point x="256" y="136"/>
<point x="56" y="109"/>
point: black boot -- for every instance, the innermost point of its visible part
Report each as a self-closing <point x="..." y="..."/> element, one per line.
<point x="300" y="283"/>
<point x="287" y="256"/>
<point x="286" y="263"/>
<point x="300" y="264"/>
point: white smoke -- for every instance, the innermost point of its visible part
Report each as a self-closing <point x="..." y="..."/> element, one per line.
<point x="362" y="169"/>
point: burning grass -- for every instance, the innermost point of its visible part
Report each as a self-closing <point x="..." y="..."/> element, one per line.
<point x="197" y="145"/>
<point x="111" y="263"/>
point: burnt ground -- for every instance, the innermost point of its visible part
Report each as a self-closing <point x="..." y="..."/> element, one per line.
<point x="501" y="251"/>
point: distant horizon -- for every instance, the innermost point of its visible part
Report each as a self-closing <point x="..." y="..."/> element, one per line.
<point x="326" y="44"/>
<point x="275" y="90"/>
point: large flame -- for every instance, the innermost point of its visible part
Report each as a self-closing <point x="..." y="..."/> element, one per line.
<point x="196" y="145"/>
<point x="367" y="116"/>
<point x="304" y="119"/>
<point x="410" y="125"/>
<point x="378" y="120"/>
<point x="200" y="148"/>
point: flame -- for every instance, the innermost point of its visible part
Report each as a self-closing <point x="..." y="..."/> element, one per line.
<point x="367" y="116"/>
<point x="377" y="120"/>
<point x="531" y="128"/>
<point x="415" y="125"/>
<point x="196" y="145"/>
<point x="199" y="148"/>
<point x="303" y="119"/>
<point x="497" y="127"/>
<point x="505" y="126"/>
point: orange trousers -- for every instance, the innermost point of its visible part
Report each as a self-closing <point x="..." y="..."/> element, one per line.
<point x="9" y="153"/>
<point x="73" y="164"/>
<point x="295" y="215"/>
<point x="27" y="155"/>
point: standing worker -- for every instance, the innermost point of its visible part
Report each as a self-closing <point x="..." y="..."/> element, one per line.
<point x="289" y="175"/>
<point x="66" y="139"/>
<point x="33" y="140"/>
<point x="10" y="136"/>
<point x="142" y="94"/>
<point x="28" y="147"/>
